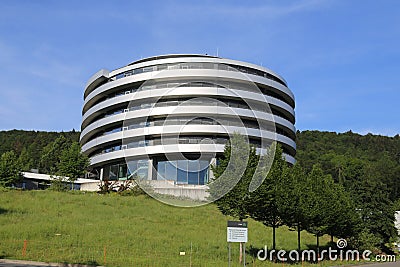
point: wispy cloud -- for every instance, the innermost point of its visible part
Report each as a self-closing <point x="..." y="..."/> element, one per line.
<point x="266" y="10"/>
<point x="57" y="72"/>
<point x="44" y="61"/>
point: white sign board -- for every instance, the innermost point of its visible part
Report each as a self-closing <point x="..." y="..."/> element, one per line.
<point x="237" y="232"/>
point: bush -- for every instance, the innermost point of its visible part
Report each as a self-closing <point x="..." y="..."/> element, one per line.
<point x="58" y="184"/>
<point x="367" y="241"/>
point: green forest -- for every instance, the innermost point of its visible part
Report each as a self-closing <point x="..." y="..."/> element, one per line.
<point x="353" y="178"/>
<point x="33" y="148"/>
<point x="343" y="185"/>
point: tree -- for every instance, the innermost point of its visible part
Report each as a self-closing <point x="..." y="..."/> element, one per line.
<point x="230" y="187"/>
<point x="51" y="154"/>
<point x="368" y="183"/>
<point x="232" y="176"/>
<point x="343" y="221"/>
<point x="9" y="169"/>
<point x="376" y="210"/>
<point x="293" y="200"/>
<point x="72" y="163"/>
<point x="264" y="202"/>
<point x="318" y="202"/>
<point x="25" y="159"/>
<point x="329" y="208"/>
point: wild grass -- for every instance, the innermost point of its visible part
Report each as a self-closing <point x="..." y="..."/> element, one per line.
<point x="114" y="230"/>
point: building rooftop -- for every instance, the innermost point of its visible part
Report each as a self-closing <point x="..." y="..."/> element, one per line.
<point x="170" y="56"/>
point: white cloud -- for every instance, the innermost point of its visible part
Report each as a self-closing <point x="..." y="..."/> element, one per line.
<point x="267" y="11"/>
<point x="42" y="61"/>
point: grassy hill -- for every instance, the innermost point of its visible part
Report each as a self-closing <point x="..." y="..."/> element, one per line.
<point x="76" y="227"/>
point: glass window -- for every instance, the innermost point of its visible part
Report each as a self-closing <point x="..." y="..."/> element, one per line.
<point x="182" y="172"/>
<point x="204" y="164"/>
<point x="161" y="170"/>
<point x="193" y="178"/>
<point x="173" y="67"/>
<point x="128" y="172"/>
<point x="183" y="140"/>
<point x="170" y="170"/>
<point x="193" y="166"/>
<point x="148" y="69"/>
<point x="143" y="167"/>
<point x="132" y="145"/>
<point x="113" y="172"/>
<point x="203" y="174"/>
<point x="122" y="171"/>
<point x="193" y="171"/>
<point x="162" y="67"/>
<point x="193" y="141"/>
<point x="195" y="65"/>
<point x="203" y="177"/>
<point x="156" y="142"/>
<point x="169" y="141"/>
<point x="106" y="173"/>
<point x="207" y="65"/>
<point x="137" y="71"/>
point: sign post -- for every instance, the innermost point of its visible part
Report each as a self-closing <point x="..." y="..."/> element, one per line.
<point x="237" y="233"/>
<point x="229" y="254"/>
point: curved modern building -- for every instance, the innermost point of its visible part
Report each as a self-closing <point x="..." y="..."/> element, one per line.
<point x="168" y="117"/>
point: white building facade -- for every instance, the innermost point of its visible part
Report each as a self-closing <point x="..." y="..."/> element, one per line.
<point x="167" y="118"/>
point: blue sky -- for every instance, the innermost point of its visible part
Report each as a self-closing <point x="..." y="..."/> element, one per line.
<point x="340" y="57"/>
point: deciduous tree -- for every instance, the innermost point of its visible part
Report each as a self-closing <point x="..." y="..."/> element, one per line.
<point x="72" y="162"/>
<point x="10" y="171"/>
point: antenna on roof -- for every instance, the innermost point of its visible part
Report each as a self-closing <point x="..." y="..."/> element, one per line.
<point x="217" y="51"/>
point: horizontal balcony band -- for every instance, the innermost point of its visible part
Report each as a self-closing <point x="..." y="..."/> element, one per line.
<point x="182" y="92"/>
<point x="248" y="97"/>
<point x="195" y="59"/>
<point x="280" y="125"/>
<point x="176" y="74"/>
<point x="151" y="151"/>
<point x="187" y="110"/>
<point x="186" y="130"/>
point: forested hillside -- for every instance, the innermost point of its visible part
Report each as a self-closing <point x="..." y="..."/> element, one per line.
<point x="311" y="145"/>
<point x="368" y="167"/>
<point x="334" y="151"/>
<point x="34" y="147"/>
<point x="17" y="140"/>
<point x="353" y="159"/>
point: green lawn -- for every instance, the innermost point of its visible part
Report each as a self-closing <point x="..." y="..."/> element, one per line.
<point x="75" y="227"/>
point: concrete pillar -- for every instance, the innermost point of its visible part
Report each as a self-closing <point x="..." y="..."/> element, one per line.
<point x="150" y="170"/>
<point x="211" y="176"/>
<point x="101" y="174"/>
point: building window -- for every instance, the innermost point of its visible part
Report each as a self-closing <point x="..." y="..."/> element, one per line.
<point x="194" y="172"/>
<point x="138" y="169"/>
<point x="113" y="172"/>
<point x="122" y="174"/>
